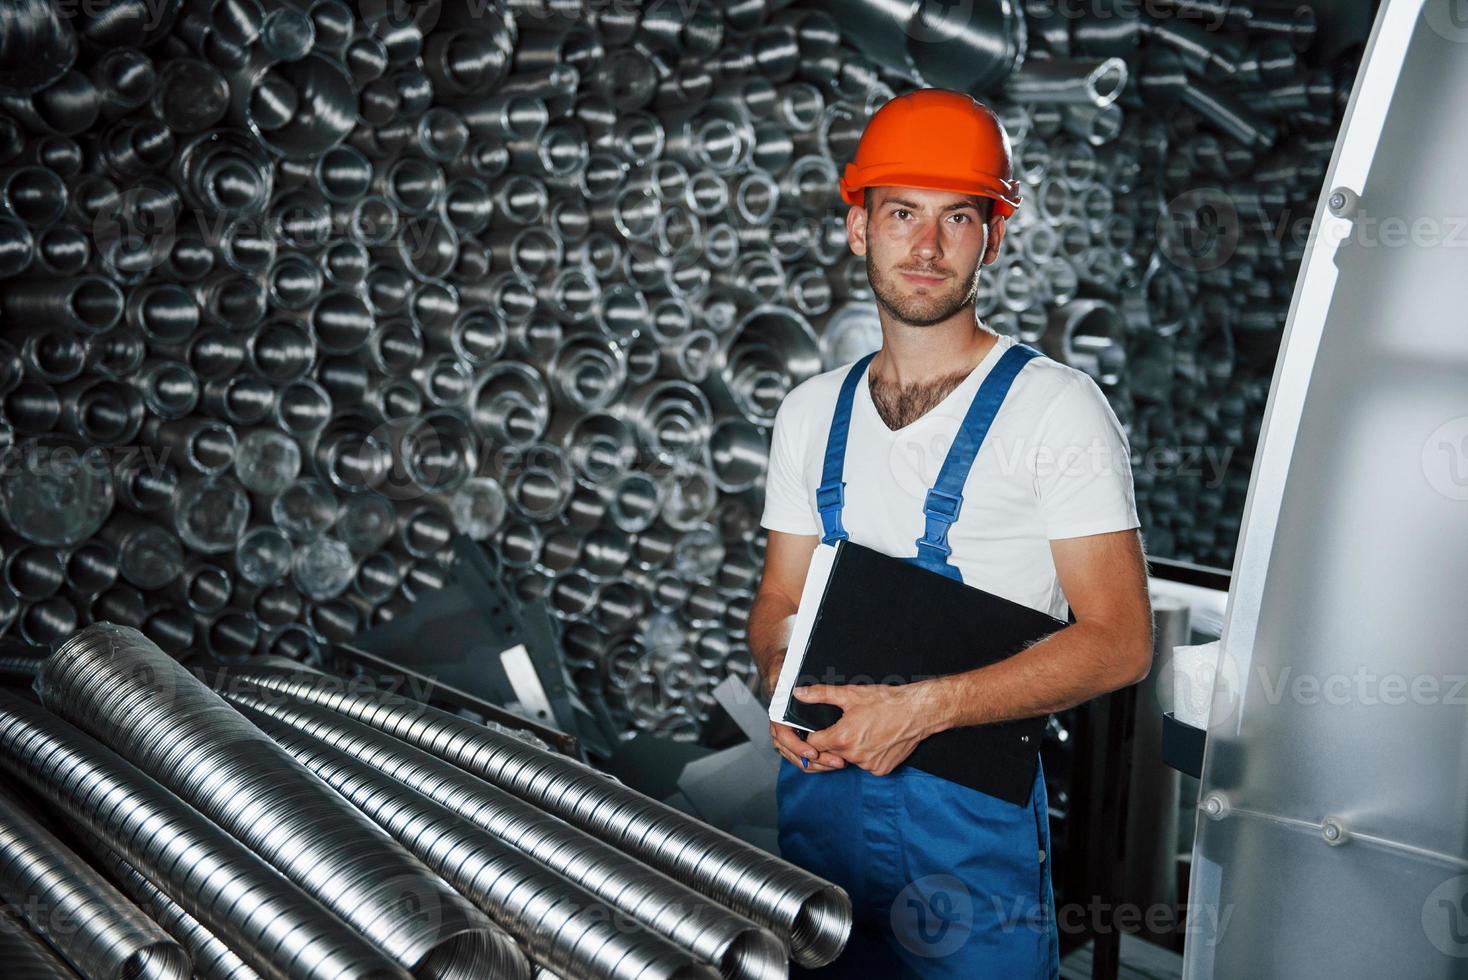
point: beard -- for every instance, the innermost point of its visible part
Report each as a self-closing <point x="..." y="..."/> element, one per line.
<point x="941" y="302"/>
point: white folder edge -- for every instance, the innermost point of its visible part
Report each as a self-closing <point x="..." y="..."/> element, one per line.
<point x="821" y="561"/>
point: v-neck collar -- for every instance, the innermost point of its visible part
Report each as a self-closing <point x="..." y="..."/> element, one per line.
<point x="963" y="391"/>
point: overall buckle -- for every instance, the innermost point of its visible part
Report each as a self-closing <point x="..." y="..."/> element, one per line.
<point x="942" y="506"/>
<point x="830" y="496"/>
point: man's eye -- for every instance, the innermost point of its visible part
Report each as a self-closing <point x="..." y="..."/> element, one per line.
<point x="961" y="218"/>
<point x="900" y="213"/>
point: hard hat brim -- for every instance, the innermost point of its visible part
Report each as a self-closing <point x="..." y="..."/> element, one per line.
<point x="1005" y="193"/>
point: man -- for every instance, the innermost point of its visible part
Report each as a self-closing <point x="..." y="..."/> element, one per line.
<point x="945" y="881"/>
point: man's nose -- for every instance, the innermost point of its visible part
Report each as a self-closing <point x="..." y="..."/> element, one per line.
<point x="927" y="244"/>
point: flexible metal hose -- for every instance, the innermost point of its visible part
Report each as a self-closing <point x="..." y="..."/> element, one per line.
<point x="212" y="959"/>
<point x="273" y="925"/>
<point x="115" y="682"/>
<point x="562" y="926"/>
<point x="698" y="924"/>
<point x="86" y="919"/>
<point x="26" y="955"/>
<point x="811" y="915"/>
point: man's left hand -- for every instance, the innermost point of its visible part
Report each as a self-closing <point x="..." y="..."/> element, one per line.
<point x="880" y="724"/>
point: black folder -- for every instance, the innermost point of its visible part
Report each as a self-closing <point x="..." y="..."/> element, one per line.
<point x="885" y="620"/>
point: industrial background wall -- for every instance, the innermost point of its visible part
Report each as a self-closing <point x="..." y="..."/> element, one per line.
<point x="294" y="291"/>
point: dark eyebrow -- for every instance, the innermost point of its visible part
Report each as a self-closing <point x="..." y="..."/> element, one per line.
<point x="956" y="206"/>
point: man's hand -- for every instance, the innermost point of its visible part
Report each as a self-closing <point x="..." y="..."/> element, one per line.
<point x="789" y="744"/>
<point x="787" y="740"/>
<point x="880" y="724"/>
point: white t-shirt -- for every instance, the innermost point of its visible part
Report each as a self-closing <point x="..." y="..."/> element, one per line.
<point x="1055" y="464"/>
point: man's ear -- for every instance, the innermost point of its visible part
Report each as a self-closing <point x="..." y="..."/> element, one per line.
<point x="856" y="229"/>
<point x="996" y="237"/>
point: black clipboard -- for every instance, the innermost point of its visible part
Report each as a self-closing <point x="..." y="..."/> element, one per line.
<point x="886" y="620"/>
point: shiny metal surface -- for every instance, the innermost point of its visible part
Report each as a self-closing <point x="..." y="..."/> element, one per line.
<point x="810" y="915"/>
<point x="560" y="925"/>
<point x="712" y="932"/>
<point x="75" y="909"/>
<point x="123" y="688"/>
<point x="26" y="954"/>
<point x="212" y="959"/>
<point x="273" y="925"/>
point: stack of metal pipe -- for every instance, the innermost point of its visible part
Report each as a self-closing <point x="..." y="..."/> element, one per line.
<point x="290" y="825"/>
<point x="292" y="291"/>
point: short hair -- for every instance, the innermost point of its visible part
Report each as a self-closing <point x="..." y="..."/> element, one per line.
<point x="988" y="209"/>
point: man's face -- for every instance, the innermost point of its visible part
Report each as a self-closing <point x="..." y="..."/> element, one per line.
<point x="923" y="250"/>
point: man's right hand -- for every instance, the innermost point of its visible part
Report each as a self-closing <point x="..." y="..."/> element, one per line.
<point x="789" y="744"/>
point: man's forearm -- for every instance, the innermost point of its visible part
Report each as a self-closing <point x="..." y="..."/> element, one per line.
<point x="770" y="622"/>
<point x="1064" y="669"/>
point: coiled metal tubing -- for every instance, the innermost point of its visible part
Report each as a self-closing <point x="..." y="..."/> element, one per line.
<point x="710" y="931"/>
<point x="812" y="916"/>
<point x="119" y="685"/>
<point x="275" y="927"/>
<point x="561" y="925"/>
<point x="78" y="912"/>
<point x="212" y="958"/>
<point x="26" y="955"/>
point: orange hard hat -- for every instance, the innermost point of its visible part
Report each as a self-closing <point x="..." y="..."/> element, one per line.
<point x="936" y="140"/>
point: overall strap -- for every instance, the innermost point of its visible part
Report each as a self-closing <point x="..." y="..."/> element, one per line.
<point x="831" y="494"/>
<point x="940" y="509"/>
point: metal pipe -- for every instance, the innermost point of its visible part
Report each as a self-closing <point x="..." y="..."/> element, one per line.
<point x="277" y="604"/>
<point x="24" y="952"/>
<point x="276" y="928"/>
<point x="212" y="959"/>
<point x="61" y="250"/>
<point x="149" y="555"/>
<point x="600" y="445"/>
<point x="304" y="510"/>
<point x="512" y="403"/>
<point x="771" y="350"/>
<point x="91" y="568"/>
<point x="17" y="247"/>
<point x="302" y="407"/>
<point x="48" y="621"/>
<point x="88" y="304"/>
<point x="555" y="86"/>
<point x="572" y="932"/>
<point x="672" y="419"/>
<point x="1087" y="334"/>
<point x="69" y="105"/>
<point x="75" y="909"/>
<point x="424" y="532"/>
<point x="587" y="372"/>
<point x="1068" y="81"/>
<point x="263" y="555"/>
<point x="204" y="446"/>
<point x="33" y="572"/>
<point x="203" y="749"/>
<point x="297" y="109"/>
<point x="739" y="451"/>
<point x="210" y="514"/>
<point x="812" y="916"/>
<point x="714" y="934"/>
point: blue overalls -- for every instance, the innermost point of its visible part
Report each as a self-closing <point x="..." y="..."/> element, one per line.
<point x="945" y="881"/>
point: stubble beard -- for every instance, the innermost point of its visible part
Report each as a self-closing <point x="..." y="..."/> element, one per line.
<point x="920" y="311"/>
